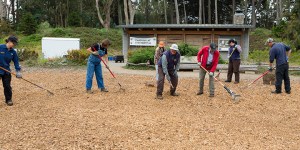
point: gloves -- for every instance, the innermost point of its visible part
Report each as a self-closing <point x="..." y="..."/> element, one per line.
<point x="168" y="77"/>
<point x="270" y="69"/>
<point x="199" y="63"/>
<point x="211" y="74"/>
<point x="95" y="53"/>
<point x="287" y="59"/>
<point x="107" y="66"/>
<point x="18" y="74"/>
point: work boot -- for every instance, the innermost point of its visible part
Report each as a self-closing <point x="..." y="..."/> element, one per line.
<point x="211" y="95"/>
<point x="227" y="80"/>
<point x="9" y="103"/>
<point x="174" y="94"/>
<point x="236" y="82"/>
<point x="89" y="91"/>
<point x="288" y="92"/>
<point x="104" y="90"/>
<point x="275" y="92"/>
<point x="159" y="97"/>
<point x="199" y="93"/>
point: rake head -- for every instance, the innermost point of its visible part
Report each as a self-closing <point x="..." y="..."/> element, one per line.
<point x="235" y="97"/>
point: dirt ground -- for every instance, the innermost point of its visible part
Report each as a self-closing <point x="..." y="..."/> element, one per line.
<point x="73" y="119"/>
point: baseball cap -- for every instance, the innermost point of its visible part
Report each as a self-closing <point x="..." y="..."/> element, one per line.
<point x="269" y="40"/>
<point x="12" y="39"/>
<point x="213" y="46"/>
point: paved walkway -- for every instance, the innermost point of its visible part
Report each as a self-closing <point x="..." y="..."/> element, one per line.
<point x="118" y="69"/>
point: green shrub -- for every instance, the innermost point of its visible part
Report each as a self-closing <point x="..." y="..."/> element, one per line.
<point x="187" y="50"/>
<point x="58" y="32"/>
<point x="5" y="28"/>
<point x="295" y="58"/>
<point x="221" y="60"/>
<point x="142" y="55"/>
<point x="259" y="56"/>
<point x="78" y="56"/>
<point x="25" y="54"/>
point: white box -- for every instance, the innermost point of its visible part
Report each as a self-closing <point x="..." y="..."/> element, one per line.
<point x="58" y="47"/>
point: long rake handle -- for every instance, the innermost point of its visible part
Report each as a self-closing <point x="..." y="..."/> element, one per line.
<point x="109" y="70"/>
<point x="106" y="66"/>
<point x="214" y="77"/>
<point x="26" y="80"/>
<point x="259" y="77"/>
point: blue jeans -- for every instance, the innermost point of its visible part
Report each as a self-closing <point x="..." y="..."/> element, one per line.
<point x="94" y="65"/>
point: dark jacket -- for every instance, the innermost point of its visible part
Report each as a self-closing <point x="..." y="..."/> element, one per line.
<point x="6" y="56"/>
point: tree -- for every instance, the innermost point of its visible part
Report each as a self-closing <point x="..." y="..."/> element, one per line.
<point x="165" y="12"/>
<point x="253" y="14"/>
<point x="209" y="12"/>
<point x="3" y="9"/>
<point x="106" y="9"/>
<point x="28" y="24"/>
<point x="177" y="11"/>
<point x="200" y="11"/>
<point x="126" y="12"/>
<point x="216" y="11"/>
<point x="132" y="9"/>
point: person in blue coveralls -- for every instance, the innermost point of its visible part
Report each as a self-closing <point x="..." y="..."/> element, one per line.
<point x="94" y="65"/>
<point x="8" y="54"/>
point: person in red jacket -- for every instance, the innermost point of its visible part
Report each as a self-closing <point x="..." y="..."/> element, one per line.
<point x="208" y="57"/>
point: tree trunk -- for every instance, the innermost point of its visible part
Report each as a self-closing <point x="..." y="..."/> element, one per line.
<point x="120" y="18"/>
<point x="216" y="11"/>
<point x="147" y="12"/>
<point x="185" y="19"/>
<point x="177" y="12"/>
<point x="106" y="8"/>
<point x="233" y="9"/>
<point x="131" y="11"/>
<point x="203" y="5"/>
<point x="81" y="11"/>
<point x="12" y="3"/>
<point x="200" y="11"/>
<point x="3" y="10"/>
<point x="209" y="12"/>
<point x="165" y="9"/>
<point x="126" y="12"/>
<point x="253" y="14"/>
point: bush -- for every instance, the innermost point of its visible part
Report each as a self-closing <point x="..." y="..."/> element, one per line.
<point x="5" y="28"/>
<point x="25" y="54"/>
<point x="259" y="56"/>
<point x="187" y="50"/>
<point x="78" y="56"/>
<point x="142" y="55"/>
<point x="221" y="60"/>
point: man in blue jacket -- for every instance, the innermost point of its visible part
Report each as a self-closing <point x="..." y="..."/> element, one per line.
<point x="281" y="53"/>
<point x="8" y="54"/>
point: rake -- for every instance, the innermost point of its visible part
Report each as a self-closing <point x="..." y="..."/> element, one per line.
<point x="51" y="93"/>
<point x="112" y="74"/>
<point x="234" y="96"/>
